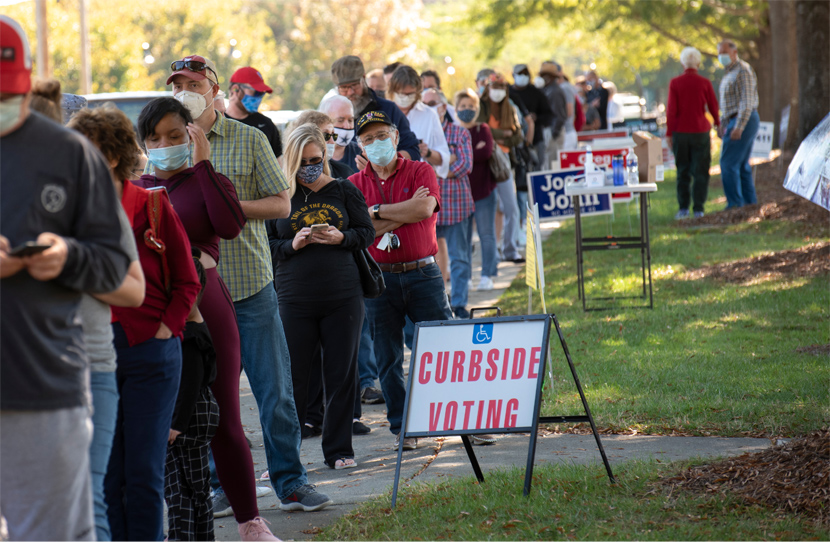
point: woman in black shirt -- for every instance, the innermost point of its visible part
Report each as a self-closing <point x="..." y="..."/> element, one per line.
<point x="318" y="284"/>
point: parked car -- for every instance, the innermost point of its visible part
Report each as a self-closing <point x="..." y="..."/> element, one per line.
<point x="130" y="103"/>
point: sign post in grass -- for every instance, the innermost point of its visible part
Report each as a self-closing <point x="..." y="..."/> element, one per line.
<point x="483" y="376"/>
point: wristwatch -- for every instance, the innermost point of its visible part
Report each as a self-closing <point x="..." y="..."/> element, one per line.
<point x="429" y="153"/>
<point x="376" y="211"/>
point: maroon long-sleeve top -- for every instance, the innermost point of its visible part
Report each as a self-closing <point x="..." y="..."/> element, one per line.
<point x="141" y="323"/>
<point x="481" y="180"/>
<point x="689" y="96"/>
<point x="206" y="202"/>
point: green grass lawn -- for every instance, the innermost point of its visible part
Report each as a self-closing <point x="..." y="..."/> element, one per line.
<point x="568" y="503"/>
<point x="711" y="358"/>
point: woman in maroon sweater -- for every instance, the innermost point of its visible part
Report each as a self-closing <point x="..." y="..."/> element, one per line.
<point x="481" y="184"/>
<point x="209" y="208"/>
<point x="147" y="341"/>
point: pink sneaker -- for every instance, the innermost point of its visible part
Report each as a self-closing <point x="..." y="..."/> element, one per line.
<point x="256" y="530"/>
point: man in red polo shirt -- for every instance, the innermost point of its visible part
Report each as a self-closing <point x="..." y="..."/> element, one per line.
<point x="403" y="199"/>
<point x="687" y="132"/>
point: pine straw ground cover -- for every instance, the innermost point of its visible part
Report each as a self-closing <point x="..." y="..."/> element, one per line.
<point x="793" y="477"/>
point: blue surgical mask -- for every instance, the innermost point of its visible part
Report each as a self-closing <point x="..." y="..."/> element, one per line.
<point x="10" y="112"/>
<point x="466" y="115"/>
<point x="169" y="158"/>
<point x="381" y="153"/>
<point x="725" y="59"/>
<point x="251" y="103"/>
<point x="310" y="173"/>
<point x="521" y="80"/>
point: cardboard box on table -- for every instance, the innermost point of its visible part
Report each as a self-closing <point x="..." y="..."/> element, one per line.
<point x="649" y="153"/>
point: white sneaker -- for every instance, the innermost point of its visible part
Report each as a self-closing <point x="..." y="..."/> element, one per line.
<point x="486" y="283"/>
<point x="262" y="491"/>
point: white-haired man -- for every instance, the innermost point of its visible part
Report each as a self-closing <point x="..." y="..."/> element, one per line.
<point x="688" y="132"/>
<point x="341" y="111"/>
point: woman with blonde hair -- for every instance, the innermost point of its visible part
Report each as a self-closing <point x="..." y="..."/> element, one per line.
<point x="318" y="284"/>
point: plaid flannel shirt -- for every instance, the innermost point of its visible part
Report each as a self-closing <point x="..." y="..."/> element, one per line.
<point x="456" y="196"/>
<point x="738" y="93"/>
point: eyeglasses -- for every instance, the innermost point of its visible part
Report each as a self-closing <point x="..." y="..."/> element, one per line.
<point x="329" y="137"/>
<point x="349" y="87"/>
<point x="256" y="92"/>
<point x="380" y="136"/>
<point x="433" y="103"/>
<point x="311" y="161"/>
<point x="192" y="65"/>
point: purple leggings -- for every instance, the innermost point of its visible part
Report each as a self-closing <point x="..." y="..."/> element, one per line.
<point x="234" y="464"/>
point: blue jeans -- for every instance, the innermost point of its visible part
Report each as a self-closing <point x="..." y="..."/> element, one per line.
<point x="418" y="294"/>
<point x="510" y="230"/>
<point x="148" y="378"/>
<point x="521" y="201"/>
<point x="460" y="252"/>
<point x="735" y="171"/>
<point x="485" y="216"/>
<point x="367" y="365"/>
<point x="105" y="412"/>
<point x="268" y="367"/>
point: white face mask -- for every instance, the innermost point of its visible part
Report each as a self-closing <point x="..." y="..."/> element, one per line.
<point x="194" y="102"/>
<point x="330" y="149"/>
<point x="344" y="136"/>
<point x="521" y="79"/>
<point x="10" y="112"/>
<point x="538" y="82"/>
<point x="403" y="101"/>
<point x="497" y="94"/>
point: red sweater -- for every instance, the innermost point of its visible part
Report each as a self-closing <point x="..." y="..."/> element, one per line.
<point x="141" y="324"/>
<point x="689" y="96"/>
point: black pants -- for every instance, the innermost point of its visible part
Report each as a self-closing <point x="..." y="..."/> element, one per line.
<point x="335" y="327"/>
<point x="692" y="154"/>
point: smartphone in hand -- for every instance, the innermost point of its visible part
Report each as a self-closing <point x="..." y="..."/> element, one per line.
<point x="28" y="249"/>
<point x="315" y="228"/>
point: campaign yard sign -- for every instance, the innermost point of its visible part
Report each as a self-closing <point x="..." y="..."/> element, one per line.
<point x="602" y="158"/>
<point x="548" y="191"/>
<point x="762" y="145"/>
<point x="481" y="376"/>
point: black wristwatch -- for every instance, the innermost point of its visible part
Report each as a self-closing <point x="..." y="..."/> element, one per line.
<point x="429" y="153"/>
<point x="376" y="211"/>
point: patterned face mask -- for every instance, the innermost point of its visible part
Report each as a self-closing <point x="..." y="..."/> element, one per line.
<point x="310" y="172"/>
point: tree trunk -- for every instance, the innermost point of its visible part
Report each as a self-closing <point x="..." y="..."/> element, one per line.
<point x="763" y="66"/>
<point x="813" y="24"/>
<point x="784" y="68"/>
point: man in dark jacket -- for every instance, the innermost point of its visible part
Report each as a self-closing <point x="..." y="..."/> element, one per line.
<point x="558" y="105"/>
<point x="349" y="78"/>
<point x="67" y="203"/>
<point x="539" y="108"/>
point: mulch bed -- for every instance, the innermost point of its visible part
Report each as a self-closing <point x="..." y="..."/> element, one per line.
<point x="815" y="349"/>
<point x="792" y="477"/>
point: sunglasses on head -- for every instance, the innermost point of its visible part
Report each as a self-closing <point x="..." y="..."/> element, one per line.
<point x="192" y="65"/>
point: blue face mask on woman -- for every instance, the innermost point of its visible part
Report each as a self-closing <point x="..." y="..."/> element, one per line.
<point x="381" y="152"/>
<point x="251" y="103"/>
<point x="466" y="115"/>
<point x="169" y="158"/>
<point x="310" y="172"/>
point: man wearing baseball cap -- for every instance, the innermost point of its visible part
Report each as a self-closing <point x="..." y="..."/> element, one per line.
<point x="403" y="199"/>
<point x="60" y="236"/>
<point x="349" y="78"/>
<point x="244" y="96"/>
<point x="244" y="156"/>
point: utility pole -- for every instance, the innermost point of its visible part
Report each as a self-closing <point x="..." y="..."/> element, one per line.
<point x="42" y="41"/>
<point x="86" y="55"/>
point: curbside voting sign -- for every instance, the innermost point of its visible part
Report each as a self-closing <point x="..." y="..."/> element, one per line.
<point x="481" y="376"/>
<point x="548" y="190"/>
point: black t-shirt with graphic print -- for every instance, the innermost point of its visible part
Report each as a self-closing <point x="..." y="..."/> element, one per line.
<point x="321" y="272"/>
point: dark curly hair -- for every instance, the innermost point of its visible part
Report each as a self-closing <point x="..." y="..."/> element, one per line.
<point x="156" y="110"/>
<point x="112" y="132"/>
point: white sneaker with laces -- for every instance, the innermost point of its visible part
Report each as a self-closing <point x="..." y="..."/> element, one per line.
<point x="262" y="491"/>
<point x="486" y="283"/>
<point x="256" y="530"/>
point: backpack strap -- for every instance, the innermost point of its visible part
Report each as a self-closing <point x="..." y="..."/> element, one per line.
<point x="155" y="201"/>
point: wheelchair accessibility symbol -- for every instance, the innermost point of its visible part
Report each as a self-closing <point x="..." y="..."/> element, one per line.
<point x="482" y="333"/>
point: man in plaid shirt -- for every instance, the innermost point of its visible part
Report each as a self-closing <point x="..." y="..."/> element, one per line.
<point x="738" y="127"/>
<point x="456" y="216"/>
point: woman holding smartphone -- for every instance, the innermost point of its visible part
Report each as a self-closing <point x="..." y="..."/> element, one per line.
<point x="147" y="338"/>
<point x="318" y="284"/>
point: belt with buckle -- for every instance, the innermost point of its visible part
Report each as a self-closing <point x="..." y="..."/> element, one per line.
<point x="403" y="267"/>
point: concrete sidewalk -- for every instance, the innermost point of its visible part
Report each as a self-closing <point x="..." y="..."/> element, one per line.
<point x="439" y="459"/>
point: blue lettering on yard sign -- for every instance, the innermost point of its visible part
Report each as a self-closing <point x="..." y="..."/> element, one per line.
<point x="482" y="333"/>
<point x="548" y="189"/>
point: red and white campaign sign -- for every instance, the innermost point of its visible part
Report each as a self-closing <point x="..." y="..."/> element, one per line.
<point x="484" y="375"/>
<point x="602" y="158"/>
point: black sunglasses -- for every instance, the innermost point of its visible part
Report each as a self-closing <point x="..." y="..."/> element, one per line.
<point x="330" y="137"/>
<point x="192" y="65"/>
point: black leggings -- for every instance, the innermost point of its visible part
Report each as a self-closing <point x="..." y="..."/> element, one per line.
<point x="334" y="326"/>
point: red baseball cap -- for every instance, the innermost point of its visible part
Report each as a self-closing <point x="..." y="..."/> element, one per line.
<point x="15" y="58"/>
<point x="194" y="67"/>
<point x="250" y="76"/>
